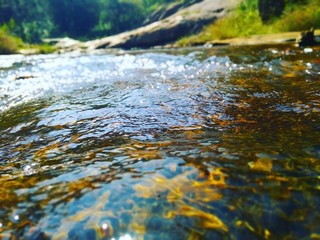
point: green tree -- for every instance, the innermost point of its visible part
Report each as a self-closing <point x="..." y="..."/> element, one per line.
<point x="74" y="18"/>
<point x="32" y="22"/>
<point x="123" y="15"/>
<point x="6" y="11"/>
<point x="37" y="19"/>
<point x="269" y="9"/>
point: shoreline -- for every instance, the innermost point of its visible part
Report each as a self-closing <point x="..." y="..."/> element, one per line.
<point x="287" y="37"/>
<point x="274" y="38"/>
<point x="67" y="45"/>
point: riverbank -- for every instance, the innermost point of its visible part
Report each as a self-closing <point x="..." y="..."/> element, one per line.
<point x="65" y="45"/>
<point x="202" y="23"/>
<point x="286" y="37"/>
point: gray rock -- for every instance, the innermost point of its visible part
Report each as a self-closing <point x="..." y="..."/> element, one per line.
<point x="62" y="42"/>
<point x="186" y="21"/>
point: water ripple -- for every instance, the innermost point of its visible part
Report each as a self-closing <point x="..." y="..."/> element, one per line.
<point x="196" y="143"/>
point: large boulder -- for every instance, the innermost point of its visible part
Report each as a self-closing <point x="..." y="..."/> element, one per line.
<point x="186" y="21"/>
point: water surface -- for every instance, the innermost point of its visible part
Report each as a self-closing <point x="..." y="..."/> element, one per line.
<point x="202" y="143"/>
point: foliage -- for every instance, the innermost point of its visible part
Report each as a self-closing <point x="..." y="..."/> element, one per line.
<point x="119" y="16"/>
<point x="245" y="21"/>
<point x="73" y="17"/>
<point x="300" y="17"/>
<point x="8" y="43"/>
<point x="269" y="9"/>
<point x="31" y="18"/>
<point x="42" y="48"/>
<point x="81" y="19"/>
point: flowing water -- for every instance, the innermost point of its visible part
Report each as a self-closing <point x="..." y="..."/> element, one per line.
<point x="202" y="143"/>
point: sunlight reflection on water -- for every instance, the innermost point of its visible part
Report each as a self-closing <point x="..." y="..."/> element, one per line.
<point x="40" y="76"/>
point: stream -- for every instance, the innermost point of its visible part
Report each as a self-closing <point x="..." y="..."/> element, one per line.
<point x="194" y="143"/>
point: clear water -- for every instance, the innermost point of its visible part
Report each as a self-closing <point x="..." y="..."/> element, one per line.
<point x="202" y="143"/>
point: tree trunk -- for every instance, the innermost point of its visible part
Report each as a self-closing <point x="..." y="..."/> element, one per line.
<point x="269" y="9"/>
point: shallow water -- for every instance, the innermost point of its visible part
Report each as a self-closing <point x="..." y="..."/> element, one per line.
<point x="201" y="143"/>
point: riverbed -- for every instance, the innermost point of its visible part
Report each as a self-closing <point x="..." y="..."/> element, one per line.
<point x="195" y="143"/>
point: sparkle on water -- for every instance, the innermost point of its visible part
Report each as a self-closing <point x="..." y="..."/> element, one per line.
<point x="202" y="143"/>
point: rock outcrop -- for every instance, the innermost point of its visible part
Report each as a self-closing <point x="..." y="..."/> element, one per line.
<point x="186" y="21"/>
<point x="166" y="11"/>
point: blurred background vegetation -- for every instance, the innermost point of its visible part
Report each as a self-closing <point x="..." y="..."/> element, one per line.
<point x="30" y="21"/>
<point x="33" y="20"/>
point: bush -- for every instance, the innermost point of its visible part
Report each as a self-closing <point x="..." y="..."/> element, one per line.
<point x="300" y="17"/>
<point x="8" y="43"/>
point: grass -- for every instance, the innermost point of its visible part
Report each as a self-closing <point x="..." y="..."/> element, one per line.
<point x="245" y="21"/>
<point x="300" y="17"/>
<point x="42" y="48"/>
